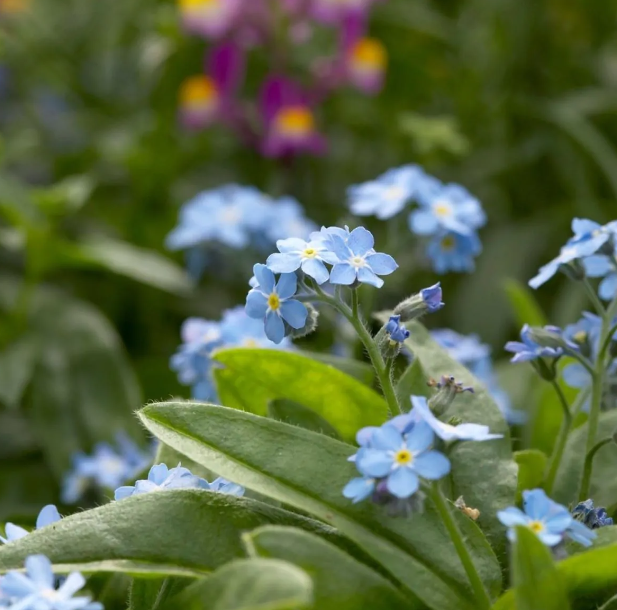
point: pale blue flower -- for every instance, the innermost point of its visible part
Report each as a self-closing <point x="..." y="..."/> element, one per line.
<point x="238" y="330"/>
<point x="388" y="194"/>
<point x="589" y="237"/>
<point x="601" y="265"/>
<point x="527" y="349"/>
<point x="450" y="251"/>
<point x="49" y="514"/>
<point x="463" y="432"/>
<point x="549" y="521"/>
<point x="359" y="489"/>
<point x="159" y="478"/>
<point x="447" y="207"/>
<point x="358" y="260"/>
<point x="310" y="256"/>
<point x="401" y="459"/>
<point x="285" y="219"/>
<point x="224" y="486"/>
<point x="272" y="302"/>
<point x="397" y="331"/>
<point x="36" y="589"/>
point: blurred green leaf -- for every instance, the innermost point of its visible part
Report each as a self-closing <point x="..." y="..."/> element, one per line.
<point x="17" y="363"/>
<point x="251" y="378"/>
<point x="359" y="370"/>
<point x="531" y="468"/>
<point x="525" y="307"/>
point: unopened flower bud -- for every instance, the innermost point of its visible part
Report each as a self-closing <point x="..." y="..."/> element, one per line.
<point x="547" y="369"/>
<point x="573" y="270"/>
<point x="448" y="388"/>
<point x="550" y="336"/>
<point x="309" y="326"/>
<point x="391" y="337"/>
<point x="428" y="300"/>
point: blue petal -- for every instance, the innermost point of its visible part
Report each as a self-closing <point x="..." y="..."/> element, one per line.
<point x="423" y="222"/>
<point x="550" y="539"/>
<point x="283" y="263"/>
<point x="512" y="516"/>
<point x="381" y="264"/>
<point x="158" y="473"/>
<point x="124" y="492"/>
<point x="403" y="482"/>
<point x="366" y="276"/>
<point x="275" y="329"/>
<point x="387" y="438"/>
<point x="374" y="462"/>
<point x="14" y="532"/>
<point x="597" y="265"/>
<point x="364" y="435"/>
<point x="38" y="568"/>
<point x="580" y="226"/>
<point x="287" y="285"/>
<point x="544" y="274"/>
<point x="576" y="376"/>
<point x="316" y="269"/>
<point x="18" y="585"/>
<point x="256" y="305"/>
<point x="536" y="504"/>
<point x="431" y="465"/>
<point x="360" y="241"/>
<point x="265" y="278"/>
<point x="359" y="489"/>
<point x="343" y="273"/>
<point x="294" y="313"/>
<point x="291" y="244"/>
<point x="420" y="438"/>
<point x="608" y="287"/>
<point x="49" y="514"/>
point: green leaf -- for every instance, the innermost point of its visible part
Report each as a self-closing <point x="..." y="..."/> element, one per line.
<point x="250" y="584"/>
<point x="17" y="364"/>
<point x="341" y="582"/>
<point x="537" y="583"/>
<point x="603" y="481"/>
<point x="148" y="534"/>
<point x="531" y="468"/>
<point x="483" y="473"/>
<point x="145" y="266"/>
<point x="251" y="378"/>
<point x="152" y="593"/>
<point x="308" y="471"/>
<point x="412" y="382"/>
<point x="524" y="304"/>
<point x="354" y="368"/>
<point x="294" y="413"/>
<point x="611" y="604"/>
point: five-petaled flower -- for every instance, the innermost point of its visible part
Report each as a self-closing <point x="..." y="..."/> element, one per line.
<point x="272" y="302"/>
<point x="295" y="253"/>
<point x="526" y="349"/>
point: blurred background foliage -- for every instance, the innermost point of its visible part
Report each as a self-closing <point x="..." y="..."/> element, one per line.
<point x="514" y="99"/>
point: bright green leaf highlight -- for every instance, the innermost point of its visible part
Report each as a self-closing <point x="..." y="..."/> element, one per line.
<point x="524" y="304"/>
<point x="531" y="468"/>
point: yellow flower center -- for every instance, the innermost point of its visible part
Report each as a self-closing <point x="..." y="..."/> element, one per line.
<point x="198" y="91"/>
<point x="403" y="456"/>
<point x="442" y="209"/>
<point x="536" y="527"/>
<point x="369" y="54"/>
<point x="274" y="302"/>
<point x="203" y="7"/>
<point x="580" y="336"/>
<point x="393" y="193"/>
<point x="447" y="243"/>
<point x="310" y="253"/>
<point x="250" y="342"/>
<point x="357" y="261"/>
<point x="295" y="121"/>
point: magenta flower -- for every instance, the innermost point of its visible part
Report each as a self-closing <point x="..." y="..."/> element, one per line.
<point x="209" y="18"/>
<point x="210" y="97"/>
<point x="336" y="11"/>
<point x="289" y="120"/>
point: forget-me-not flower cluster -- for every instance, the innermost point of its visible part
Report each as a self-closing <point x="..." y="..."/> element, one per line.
<point x="49" y="514"/>
<point x="39" y="588"/>
<point x="589" y="515"/>
<point x="549" y="521"/>
<point x="447" y="213"/>
<point x="193" y="361"/>
<point x="527" y="349"/>
<point x="106" y="468"/>
<point x="161" y="477"/>
<point x="234" y="216"/>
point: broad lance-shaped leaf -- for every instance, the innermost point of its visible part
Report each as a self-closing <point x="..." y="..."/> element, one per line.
<point x="251" y="378"/>
<point x="483" y="473"/>
<point x="309" y="470"/>
<point x="603" y="482"/>
<point x="179" y="532"/>
<point x="249" y="584"/>
<point x="341" y="582"/>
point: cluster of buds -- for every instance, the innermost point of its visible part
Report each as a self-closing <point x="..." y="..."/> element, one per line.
<point x="281" y="122"/>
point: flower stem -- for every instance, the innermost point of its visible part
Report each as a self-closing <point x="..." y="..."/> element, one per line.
<point x="383" y="374"/>
<point x="588" y="468"/>
<point x="599" y="307"/>
<point x="483" y="601"/>
<point x="560" y="443"/>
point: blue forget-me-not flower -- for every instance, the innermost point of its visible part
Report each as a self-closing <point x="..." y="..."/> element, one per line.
<point x="271" y="301"/>
<point x="592" y="517"/>
<point x="397" y="331"/>
<point x="450" y="251"/>
<point x="549" y="521"/>
<point x="310" y="256"/>
<point x="527" y="349"/>
<point x="49" y="514"/>
<point x="37" y="588"/>
<point x="604" y="266"/>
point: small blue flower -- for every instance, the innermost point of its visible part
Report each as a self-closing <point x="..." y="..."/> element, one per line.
<point x="36" y="589"/>
<point x="358" y="261"/>
<point x="272" y="302"/>
<point x="529" y="350"/>
<point x="402" y="458"/>
<point x="432" y="297"/>
<point x="309" y="256"/>
<point x="601" y="265"/>
<point x="238" y="330"/>
<point x="388" y="194"/>
<point x="224" y="486"/>
<point x="285" y="218"/>
<point x="359" y="489"/>
<point x="589" y="237"/>
<point x="161" y="477"/>
<point x="447" y="207"/>
<point x="397" y="331"/>
<point x="590" y="516"/>
<point x="463" y="432"/>
<point x="547" y="519"/>
<point x="49" y="514"/>
<point x="450" y="251"/>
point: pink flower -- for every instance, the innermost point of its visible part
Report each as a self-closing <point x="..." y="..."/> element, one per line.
<point x="335" y="11"/>
<point x="209" y="18"/>
<point x="289" y="120"/>
<point x="206" y="98"/>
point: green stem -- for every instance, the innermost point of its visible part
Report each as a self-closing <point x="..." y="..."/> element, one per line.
<point x="560" y="443"/>
<point x="597" y="303"/>
<point x="354" y="303"/>
<point x="588" y="469"/>
<point x="369" y="344"/>
<point x="483" y="601"/>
